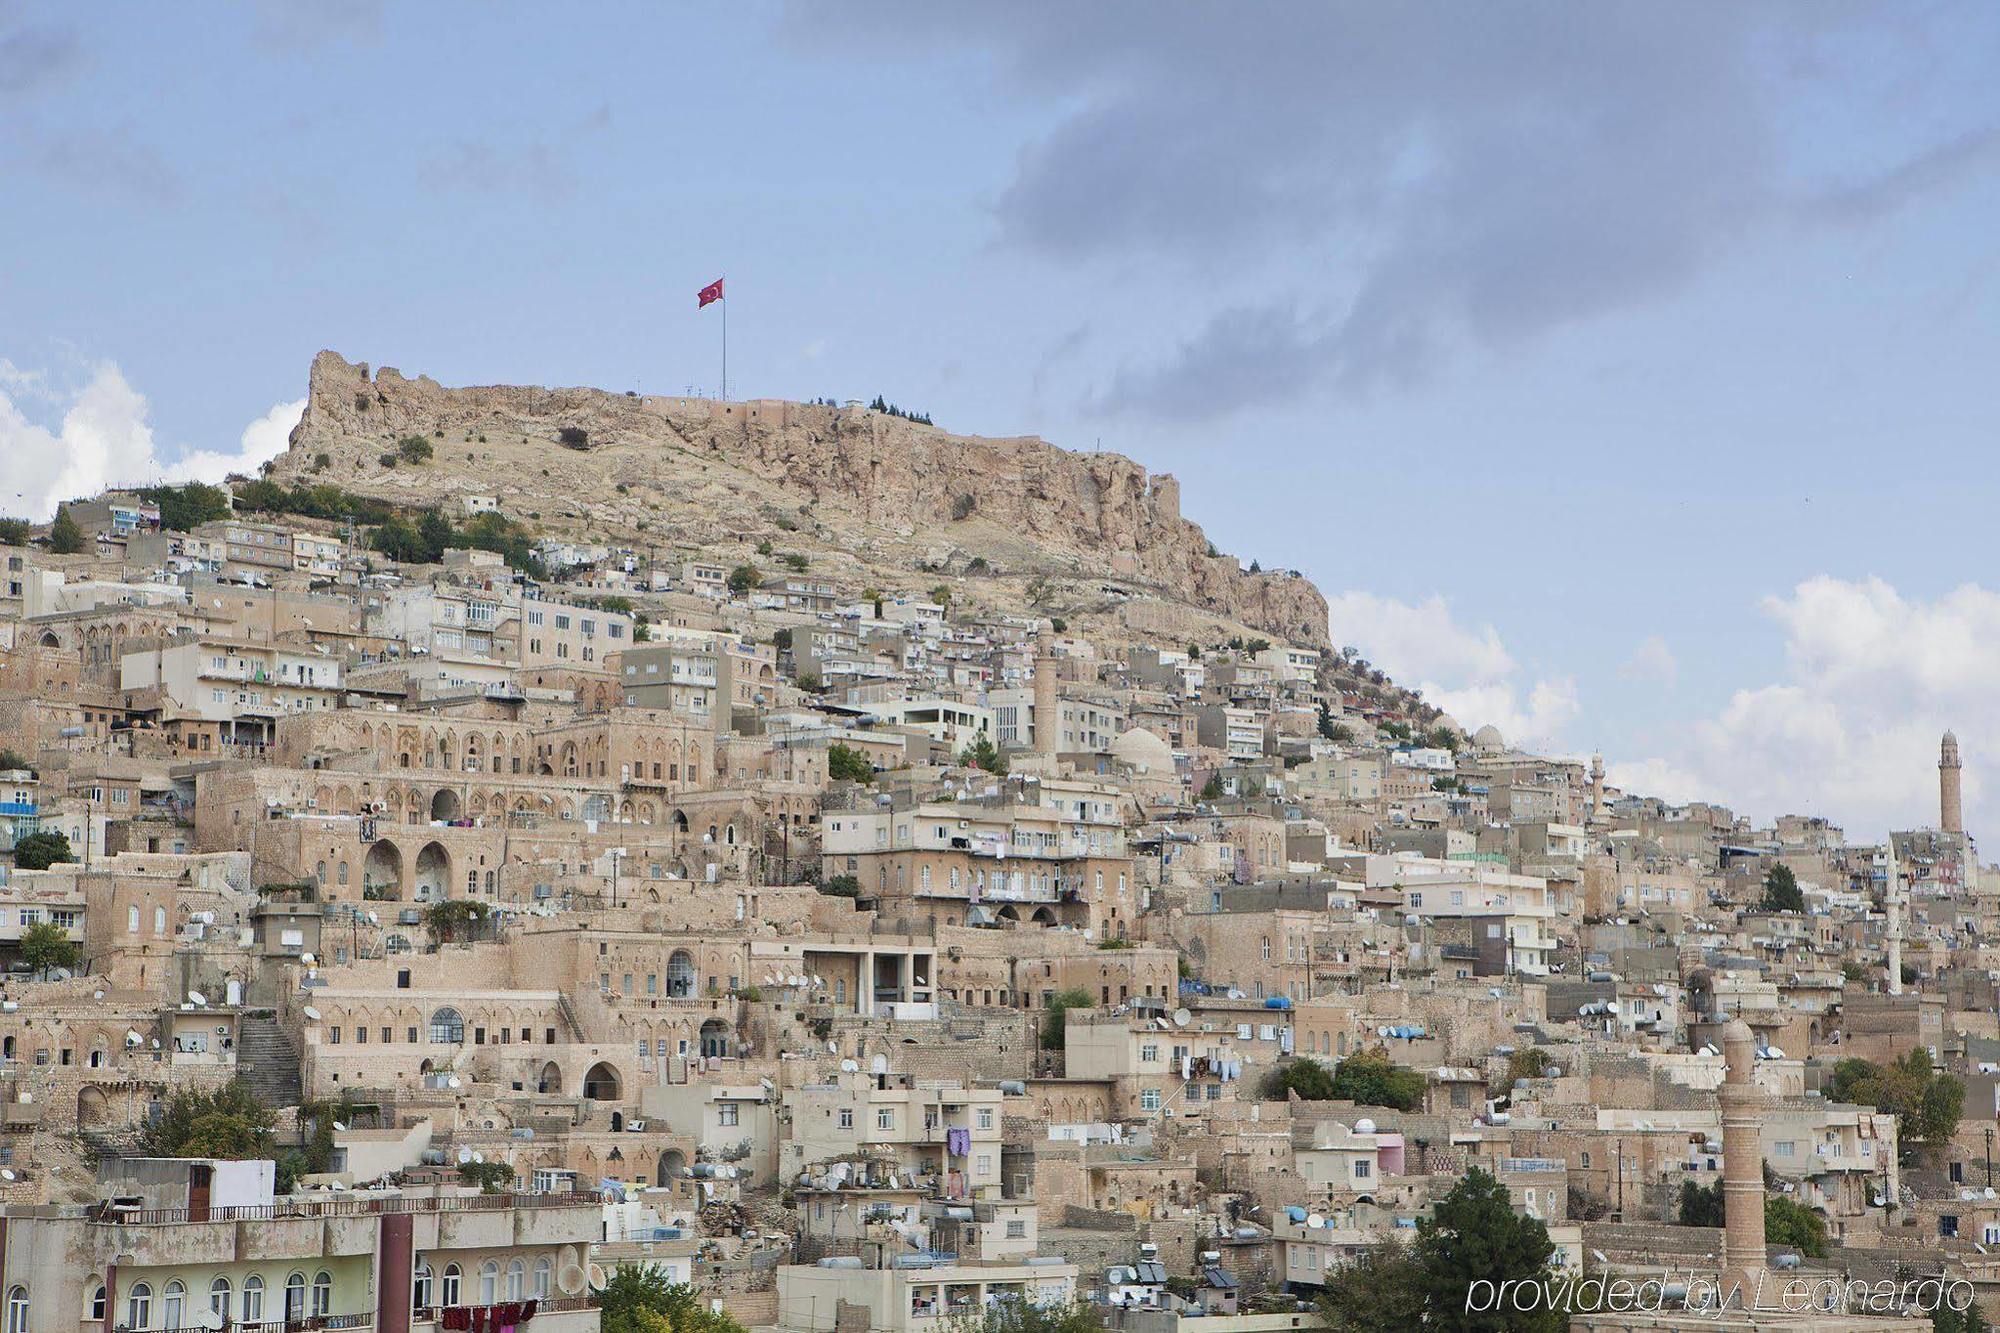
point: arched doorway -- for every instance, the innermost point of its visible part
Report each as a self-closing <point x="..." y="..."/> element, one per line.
<point x="714" y="1038"/>
<point x="433" y="872"/>
<point x="600" y="1083"/>
<point x="93" y="1108"/>
<point x="550" y="1080"/>
<point x="383" y="869"/>
<point x="680" y="974"/>
<point x="617" y="1125"/>
<point x="673" y="1165"/>
<point x="445" y="807"/>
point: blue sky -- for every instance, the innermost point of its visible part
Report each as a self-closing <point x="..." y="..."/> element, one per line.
<point x="1624" y="375"/>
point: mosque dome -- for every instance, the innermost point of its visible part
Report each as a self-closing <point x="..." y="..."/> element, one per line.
<point x="1488" y="737"/>
<point x="1143" y="750"/>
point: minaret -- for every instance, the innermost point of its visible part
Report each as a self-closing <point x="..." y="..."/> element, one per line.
<point x="1951" y="818"/>
<point x="1743" y="1254"/>
<point x="1892" y="902"/>
<point x="1048" y="709"/>
<point x="1596" y="788"/>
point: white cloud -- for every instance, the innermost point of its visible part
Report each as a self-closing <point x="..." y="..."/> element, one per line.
<point x="104" y="439"/>
<point x="1872" y="679"/>
<point x="1653" y="661"/>
<point x="1467" y="672"/>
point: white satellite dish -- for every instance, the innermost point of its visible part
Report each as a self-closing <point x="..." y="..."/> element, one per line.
<point x="312" y="1014"/>
<point x="197" y="998"/>
<point x="307" y="959"/>
<point x="452" y="1082"/>
<point x="210" y="1319"/>
<point x="7" y="1173"/>
<point x="134" y="1039"/>
<point x="1182" y="1018"/>
<point x="339" y="1128"/>
<point x="373" y="919"/>
<point x="849" y="1066"/>
<point x="464" y="1156"/>
<point x="479" y="1157"/>
<point x="1315" y="1221"/>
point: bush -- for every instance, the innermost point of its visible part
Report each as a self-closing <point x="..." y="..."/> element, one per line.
<point x="962" y="507"/>
<point x="1370" y="1078"/>
<point x="844" y="763"/>
<point x="15" y="531"/>
<point x="185" y="508"/>
<point x="413" y="449"/>
<point x="573" y="437"/>
<point x="842" y="886"/>
<point x="743" y="578"/>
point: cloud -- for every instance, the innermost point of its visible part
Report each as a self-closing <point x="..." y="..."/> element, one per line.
<point x="113" y="163"/>
<point x="35" y="55"/>
<point x="1466" y="671"/>
<point x="104" y="439"/>
<point x="1652" y="661"/>
<point x="1872" y="679"/>
<point x="1370" y="190"/>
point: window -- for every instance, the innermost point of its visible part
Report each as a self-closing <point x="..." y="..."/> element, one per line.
<point x="295" y="1297"/>
<point x="97" y="1303"/>
<point x="174" y="1305"/>
<point x="542" y="1270"/>
<point x="139" y="1306"/>
<point x="449" y="1287"/>
<point x="986" y="1117"/>
<point x="253" y="1299"/>
<point x="447" y="1027"/>
<point x="17" y="1310"/>
<point x="885" y="1117"/>
<point x="1017" y="1229"/>
<point x="322" y="1300"/>
<point x="1362" y="1170"/>
<point x="1149" y="1100"/>
<point x="846" y="1117"/>
<point x="218" y="1298"/>
<point x="517" y="1279"/>
<point x="727" y="1113"/>
<point x="489" y="1282"/>
<point x="1149" y="1053"/>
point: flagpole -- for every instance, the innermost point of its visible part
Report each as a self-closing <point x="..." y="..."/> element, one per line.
<point x="725" y="340"/>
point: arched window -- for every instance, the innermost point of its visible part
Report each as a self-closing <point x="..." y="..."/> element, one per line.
<point x="253" y="1299"/>
<point x="543" y="1268"/>
<point x="680" y="974"/>
<point x="322" y="1294"/>
<point x="489" y="1282"/>
<point x="159" y="920"/>
<point x="447" y="1027"/>
<point x="517" y="1277"/>
<point x="449" y="1295"/>
<point x="139" y="1306"/>
<point x="132" y="920"/>
<point x="17" y="1310"/>
<point x="420" y="1289"/>
<point x="173" y="1311"/>
<point x="97" y="1304"/>
<point x="295" y="1297"/>
<point x="218" y="1298"/>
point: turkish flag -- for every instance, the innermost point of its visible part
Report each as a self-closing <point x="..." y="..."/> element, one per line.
<point x="712" y="292"/>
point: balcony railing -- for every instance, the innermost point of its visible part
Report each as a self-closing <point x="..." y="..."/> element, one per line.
<point x="113" y="1215"/>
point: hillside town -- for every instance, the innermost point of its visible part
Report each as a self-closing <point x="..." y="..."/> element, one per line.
<point x="420" y="913"/>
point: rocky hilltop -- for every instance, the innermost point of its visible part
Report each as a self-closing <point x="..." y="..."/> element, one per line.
<point x="856" y="491"/>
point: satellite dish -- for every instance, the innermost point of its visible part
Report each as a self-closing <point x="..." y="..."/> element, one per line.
<point x="196" y="997"/>
<point x="312" y="1014"/>
<point x="479" y="1157"/>
<point x="1182" y="1018"/>
<point x="210" y="1319"/>
<point x="849" y="1066"/>
<point x="307" y="959"/>
<point x="1315" y="1221"/>
<point x="570" y="1279"/>
<point x="7" y="1173"/>
<point x="373" y="919"/>
<point x="464" y="1156"/>
<point x="339" y="1128"/>
<point x="597" y="1281"/>
<point x="134" y="1039"/>
<point x="452" y="1082"/>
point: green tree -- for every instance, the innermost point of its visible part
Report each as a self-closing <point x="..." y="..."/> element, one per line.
<point x="1790" y="1223"/>
<point x="1056" y="1021"/>
<point x="844" y="763"/>
<point x="982" y="754"/>
<point x="1474" y="1235"/>
<point x="1944" y="1319"/>
<point x="434" y="531"/>
<point x="39" y="851"/>
<point x="743" y="578"/>
<point x="185" y="508"/>
<point x="842" y="886"/>
<point x="1781" y="890"/>
<point x="1701" y="1205"/>
<point x="641" y="1299"/>
<point x="65" y="537"/>
<point x="795" y="562"/>
<point x="227" y="1122"/>
<point x="1371" y="1078"/>
<point x="1926" y="1103"/>
<point x="449" y="917"/>
<point x="15" y="531"/>
<point x="13" y="759"/>
<point x="1028" y="1317"/>
<point x="413" y="449"/>
<point x="491" y="1177"/>
<point x="1382" y="1288"/>
<point x="1211" y="790"/>
<point x="45" y="945"/>
<point x="1310" y="1079"/>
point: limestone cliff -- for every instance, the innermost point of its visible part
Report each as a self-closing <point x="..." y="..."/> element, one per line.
<point x="855" y="490"/>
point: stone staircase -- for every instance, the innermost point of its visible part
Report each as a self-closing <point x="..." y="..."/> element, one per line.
<point x="267" y="1060"/>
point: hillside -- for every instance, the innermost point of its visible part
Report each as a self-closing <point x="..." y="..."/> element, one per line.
<point x="865" y="496"/>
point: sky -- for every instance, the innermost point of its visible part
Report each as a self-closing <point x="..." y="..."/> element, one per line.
<point x="1624" y="373"/>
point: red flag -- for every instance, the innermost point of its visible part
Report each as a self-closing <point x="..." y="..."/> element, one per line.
<point x="712" y="292"/>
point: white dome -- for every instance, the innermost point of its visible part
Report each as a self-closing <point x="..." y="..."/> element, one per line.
<point x="1142" y="749"/>
<point x="1488" y="737"/>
